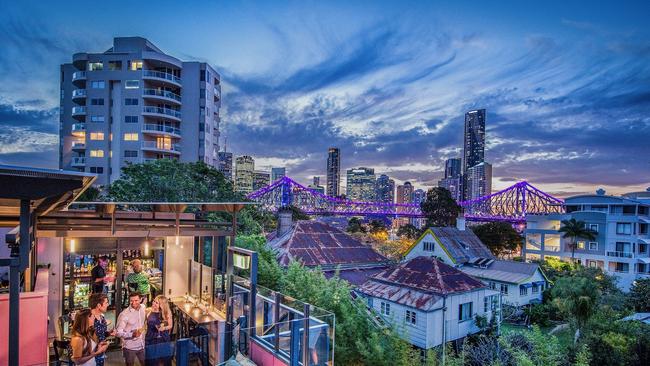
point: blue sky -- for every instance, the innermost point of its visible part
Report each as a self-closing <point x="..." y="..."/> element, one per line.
<point x="566" y="84"/>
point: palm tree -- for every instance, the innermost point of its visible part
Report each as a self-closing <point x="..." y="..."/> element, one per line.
<point x="574" y="230"/>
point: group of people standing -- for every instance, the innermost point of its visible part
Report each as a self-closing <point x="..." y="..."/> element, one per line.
<point x="144" y="332"/>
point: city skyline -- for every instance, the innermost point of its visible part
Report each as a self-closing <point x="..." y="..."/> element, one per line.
<point x="565" y="86"/>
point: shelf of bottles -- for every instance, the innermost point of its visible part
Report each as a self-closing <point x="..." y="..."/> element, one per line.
<point x="78" y="279"/>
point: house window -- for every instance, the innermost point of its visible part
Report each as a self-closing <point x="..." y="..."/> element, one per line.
<point x="202" y="93"/>
<point x="581" y="244"/>
<point x="97" y="136"/>
<point x="96" y="153"/>
<point x="97" y="101"/>
<point x="593" y="227"/>
<point x="98" y="84"/>
<point x="115" y="65"/>
<point x="97" y="119"/>
<point x="95" y="66"/>
<point x="523" y="291"/>
<point x="623" y="228"/>
<point x="131" y="101"/>
<point x="130" y="153"/>
<point x="623" y="247"/>
<point x="132" y="84"/>
<point x="622" y="267"/>
<point x="385" y="308"/>
<point x="131" y="119"/>
<point x="97" y="169"/>
<point x="135" y="65"/>
<point x="535" y="288"/>
<point x="504" y="289"/>
<point x="428" y="246"/>
<point x="593" y="245"/>
<point x="130" y="137"/>
<point x="465" y="311"/>
<point x="643" y="248"/>
<point x="486" y="303"/>
<point x="493" y="285"/>
<point x="410" y="317"/>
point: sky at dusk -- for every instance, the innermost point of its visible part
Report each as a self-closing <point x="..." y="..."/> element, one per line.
<point x="566" y="84"/>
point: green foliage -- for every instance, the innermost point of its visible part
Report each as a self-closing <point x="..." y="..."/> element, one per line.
<point x="440" y="208"/>
<point x="577" y="298"/>
<point x="269" y="271"/>
<point x="408" y="231"/>
<point x="377" y="226"/>
<point x="355" y="225"/>
<point x="639" y="296"/>
<point x="541" y="314"/>
<point x="583" y="357"/>
<point x="574" y="230"/>
<point x="297" y="214"/>
<point x="500" y="237"/>
<point x="91" y="194"/>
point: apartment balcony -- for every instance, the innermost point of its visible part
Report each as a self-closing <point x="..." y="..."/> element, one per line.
<point x="78" y="111"/>
<point x="79" y="129"/>
<point x="620" y="254"/>
<point x="79" y="161"/>
<point x="79" y="77"/>
<point x="161" y="147"/>
<point x="79" y="95"/>
<point x="168" y="113"/>
<point x="161" y="76"/>
<point x="160" y="130"/>
<point x="162" y="95"/>
<point x="77" y="146"/>
<point x="217" y="93"/>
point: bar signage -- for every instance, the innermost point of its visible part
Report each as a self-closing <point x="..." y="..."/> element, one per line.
<point x="241" y="261"/>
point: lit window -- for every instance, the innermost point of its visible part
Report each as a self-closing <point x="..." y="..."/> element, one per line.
<point x="132" y="84"/>
<point x="95" y="66"/>
<point x="135" y="65"/>
<point x="581" y="245"/>
<point x="97" y="136"/>
<point x="130" y="137"/>
<point x="96" y="153"/>
<point x="98" y="84"/>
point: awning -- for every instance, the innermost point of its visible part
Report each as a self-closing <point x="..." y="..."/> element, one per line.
<point x="539" y="283"/>
<point x="644" y="260"/>
<point x="526" y="285"/>
<point x="644" y="241"/>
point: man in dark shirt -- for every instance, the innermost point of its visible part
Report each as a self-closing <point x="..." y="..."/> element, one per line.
<point x="98" y="273"/>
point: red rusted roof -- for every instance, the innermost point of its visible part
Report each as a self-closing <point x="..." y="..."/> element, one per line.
<point x="315" y="243"/>
<point x="356" y="276"/>
<point x="419" y="282"/>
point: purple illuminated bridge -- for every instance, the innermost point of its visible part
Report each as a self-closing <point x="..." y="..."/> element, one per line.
<point x="511" y="204"/>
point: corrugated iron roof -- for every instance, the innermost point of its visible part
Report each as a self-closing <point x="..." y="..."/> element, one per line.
<point x="419" y="282"/>
<point x="504" y="271"/>
<point x="463" y="245"/>
<point x="315" y="243"/>
<point x="356" y="276"/>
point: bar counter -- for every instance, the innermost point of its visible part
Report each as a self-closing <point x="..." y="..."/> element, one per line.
<point x="197" y="314"/>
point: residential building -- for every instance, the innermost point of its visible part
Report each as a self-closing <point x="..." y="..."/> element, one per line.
<point x="333" y="171"/>
<point x="385" y="189"/>
<point x="453" y="178"/>
<point x="244" y="174"/>
<point x="404" y="193"/>
<point x="479" y="181"/>
<point x="360" y="184"/>
<point x="621" y="224"/>
<point x="134" y="103"/>
<point x="277" y="173"/>
<point x="473" y="144"/>
<point x="519" y="283"/>
<point x="225" y="164"/>
<point x="428" y="302"/>
<point x="261" y="179"/>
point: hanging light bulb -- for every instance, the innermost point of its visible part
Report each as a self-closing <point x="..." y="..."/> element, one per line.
<point x="146" y="248"/>
<point x="177" y="240"/>
<point x="72" y="246"/>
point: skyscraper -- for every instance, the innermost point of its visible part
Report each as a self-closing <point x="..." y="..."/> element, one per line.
<point x="134" y="103"/>
<point x="316" y="180"/>
<point x="404" y="193"/>
<point x="385" y="189"/>
<point x="473" y="144"/>
<point x="479" y="180"/>
<point x="333" y="171"/>
<point x="261" y="179"/>
<point x="277" y="173"/>
<point x="360" y="184"/>
<point x="419" y="195"/>
<point x="225" y="164"/>
<point x="453" y="178"/>
<point x="244" y="174"/>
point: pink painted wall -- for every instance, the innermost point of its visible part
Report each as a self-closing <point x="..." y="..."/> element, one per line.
<point x="262" y="357"/>
<point x="33" y="324"/>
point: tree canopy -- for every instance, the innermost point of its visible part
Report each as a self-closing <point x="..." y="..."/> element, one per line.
<point x="440" y="208"/>
<point x="500" y="237"/>
<point x="574" y="230"/>
<point x="408" y="231"/>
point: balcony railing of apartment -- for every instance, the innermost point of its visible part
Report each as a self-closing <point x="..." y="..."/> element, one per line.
<point x="161" y="110"/>
<point x="551" y="249"/>
<point x="165" y="147"/>
<point x="78" y="75"/>
<point x="78" y="145"/>
<point x="620" y="254"/>
<point x="162" y="93"/>
<point x="161" y="75"/>
<point x="79" y="161"/>
<point x="79" y="93"/>
<point x="78" y="110"/>
<point x="78" y="127"/>
<point x="161" y="128"/>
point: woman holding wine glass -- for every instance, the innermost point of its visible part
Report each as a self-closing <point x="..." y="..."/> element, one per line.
<point x="158" y="347"/>
<point x="84" y="343"/>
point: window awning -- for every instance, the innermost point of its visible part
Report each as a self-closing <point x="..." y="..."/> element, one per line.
<point x="526" y="285"/>
<point x="644" y="260"/>
<point x="539" y="283"/>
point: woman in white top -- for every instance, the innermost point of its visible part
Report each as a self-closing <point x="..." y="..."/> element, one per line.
<point x="84" y="342"/>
